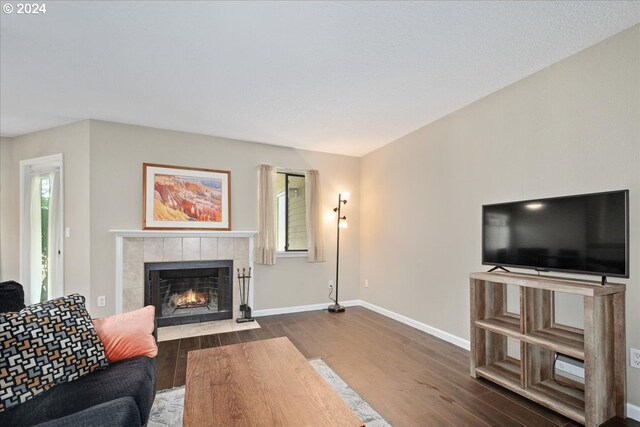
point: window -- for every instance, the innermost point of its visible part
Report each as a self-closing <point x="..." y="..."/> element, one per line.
<point x="291" y="212"/>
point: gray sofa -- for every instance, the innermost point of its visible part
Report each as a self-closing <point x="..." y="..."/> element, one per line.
<point x="119" y="395"/>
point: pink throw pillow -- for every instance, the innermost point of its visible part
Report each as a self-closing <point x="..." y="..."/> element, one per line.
<point x="128" y="335"/>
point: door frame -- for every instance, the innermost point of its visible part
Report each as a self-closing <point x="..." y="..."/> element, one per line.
<point x="26" y="167"/>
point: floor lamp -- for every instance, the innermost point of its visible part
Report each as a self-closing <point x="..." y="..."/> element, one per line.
<point x="341" y="223"/>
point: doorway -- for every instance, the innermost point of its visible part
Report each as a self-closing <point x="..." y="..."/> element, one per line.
<point x="41" y="228"/>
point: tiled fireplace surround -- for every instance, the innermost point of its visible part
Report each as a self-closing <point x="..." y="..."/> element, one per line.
<point x="134" y="248"/>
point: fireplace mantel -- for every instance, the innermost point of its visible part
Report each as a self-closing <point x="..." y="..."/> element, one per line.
<point x="135" y="247"/>
<point x="182" y="233"/>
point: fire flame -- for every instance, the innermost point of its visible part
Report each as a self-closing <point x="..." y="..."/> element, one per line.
<point x="190" y="298"/>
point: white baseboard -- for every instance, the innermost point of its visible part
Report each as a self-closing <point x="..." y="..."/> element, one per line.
<point x="453" y="339"/>
<point x="300" y="308"/>
<point x="633" y="411"/>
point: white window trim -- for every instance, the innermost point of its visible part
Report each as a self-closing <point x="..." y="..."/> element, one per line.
<point x="293" y="254"/>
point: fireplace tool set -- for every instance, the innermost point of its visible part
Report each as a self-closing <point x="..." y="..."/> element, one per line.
<point x="244" y="282"/>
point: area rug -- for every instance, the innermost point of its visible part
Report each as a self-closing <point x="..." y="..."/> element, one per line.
<point x="366" y="413"/>
<point x="169" y="404"/>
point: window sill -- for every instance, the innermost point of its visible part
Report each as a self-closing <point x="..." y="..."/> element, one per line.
<point x="297" y="254"/>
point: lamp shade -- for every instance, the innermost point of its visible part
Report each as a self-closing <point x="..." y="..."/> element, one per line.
<point x="343" y="223"/>
<point x="345" y="196"/>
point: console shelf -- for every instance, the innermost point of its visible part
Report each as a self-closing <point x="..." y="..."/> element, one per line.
<point x="505" y="372"/>
<point x="565" y="342"/>
<point x="507" y="325"/>
<point x="600" y="345"/>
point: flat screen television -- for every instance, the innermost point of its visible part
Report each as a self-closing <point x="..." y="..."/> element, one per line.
<point x="583" y="234"/>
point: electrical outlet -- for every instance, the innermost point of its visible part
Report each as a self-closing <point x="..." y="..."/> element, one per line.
<point x="634" y="358"/>
<point x="330" y="284"/>
<point x="102" y="301"/>
<point x="366" y="283"/>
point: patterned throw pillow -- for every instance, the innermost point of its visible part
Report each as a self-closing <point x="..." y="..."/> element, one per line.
<point x="46" y="344"/>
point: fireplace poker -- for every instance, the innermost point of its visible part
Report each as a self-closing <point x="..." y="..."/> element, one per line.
<point x="244" y="283"/>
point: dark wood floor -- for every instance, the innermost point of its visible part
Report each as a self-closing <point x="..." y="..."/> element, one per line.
<point x="409" y="377"/>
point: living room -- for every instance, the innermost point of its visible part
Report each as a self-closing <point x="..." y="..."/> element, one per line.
<point x="423" y="112"/>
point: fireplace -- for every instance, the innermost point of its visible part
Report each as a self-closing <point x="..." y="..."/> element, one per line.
<point x="189" y="292"/>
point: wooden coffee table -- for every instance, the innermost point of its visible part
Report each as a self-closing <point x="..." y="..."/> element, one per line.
<point x="259" y="383"/>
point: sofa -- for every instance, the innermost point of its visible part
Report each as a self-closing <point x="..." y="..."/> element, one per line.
<point x="119" y="395"/>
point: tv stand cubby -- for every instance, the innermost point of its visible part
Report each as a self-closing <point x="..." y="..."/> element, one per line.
<point x="601" y="344"/>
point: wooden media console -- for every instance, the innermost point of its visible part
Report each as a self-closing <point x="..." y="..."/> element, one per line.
<point x="601" y="344"/>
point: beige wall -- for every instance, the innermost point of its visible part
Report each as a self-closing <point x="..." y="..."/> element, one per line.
<point x="8" y="255"/>
<point x="73" y="142"/>
<point x="571" y="128"/>
<point x="117" y="154"/>
<point x="3" y="141"/>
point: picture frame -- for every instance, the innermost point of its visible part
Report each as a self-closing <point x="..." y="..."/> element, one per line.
<point x="185" y="198"/>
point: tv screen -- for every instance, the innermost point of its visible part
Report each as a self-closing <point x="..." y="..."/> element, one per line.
<point x="585" y="234"/>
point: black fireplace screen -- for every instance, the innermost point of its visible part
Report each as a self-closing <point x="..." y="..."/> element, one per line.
<point x="189" y="292"/>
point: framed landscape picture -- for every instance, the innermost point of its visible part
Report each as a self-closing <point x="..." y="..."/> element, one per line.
<point x="185" y="198"/>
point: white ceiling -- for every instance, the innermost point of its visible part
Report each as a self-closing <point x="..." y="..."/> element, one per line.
<point x="340" y="77"/>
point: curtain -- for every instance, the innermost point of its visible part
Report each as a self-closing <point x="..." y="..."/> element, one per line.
<point x="55" y="269"/>
<point x="35" y="239"/>
<point x="315" y="238"/>
<point x="266" y="244"/>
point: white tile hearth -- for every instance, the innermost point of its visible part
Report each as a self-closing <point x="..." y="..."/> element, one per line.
<point x="168" y="333"/>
